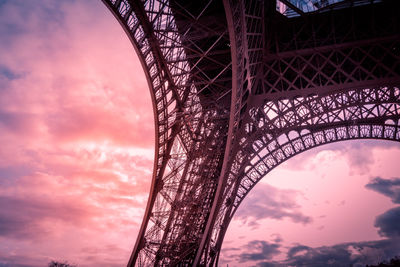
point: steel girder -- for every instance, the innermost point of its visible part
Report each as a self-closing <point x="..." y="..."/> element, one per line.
<point x="323" y="77"/>
<point x="230" y="107"/>
<point x="186" y="57"/>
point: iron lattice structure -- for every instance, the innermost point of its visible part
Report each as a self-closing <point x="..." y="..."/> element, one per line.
<point x="238" y="87"/>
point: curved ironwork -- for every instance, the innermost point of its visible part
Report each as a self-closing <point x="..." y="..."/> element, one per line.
<point x="319" y="86"/>
<point x="303" y="124"/>
<point x="239" y="87"/>
<point x="185" y="53"/>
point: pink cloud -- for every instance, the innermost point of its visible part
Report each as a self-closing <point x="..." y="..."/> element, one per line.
<point x="335" y="192"/>
<point x="77" y="135"/>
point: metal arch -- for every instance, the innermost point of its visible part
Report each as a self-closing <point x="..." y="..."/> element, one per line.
<point x="254" y="174"/>
<point x="123" y="11"/>
<point x="358" y="114"/>
<point x="214" y="118"/>
<point x="191" y="112"/>
<point x="354" y="103"/>
<point x="133" y="19"/>
<point x="245" y="24"/>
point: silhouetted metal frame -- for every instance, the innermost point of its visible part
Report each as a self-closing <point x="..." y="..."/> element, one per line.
<point x="366" y="118"/>
<point x="132" y="21"/>
<point x="268" y="123"/>
<point x="183" y="133"/>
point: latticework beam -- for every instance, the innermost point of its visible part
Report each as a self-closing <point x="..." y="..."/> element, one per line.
<point x="238" y="88"/>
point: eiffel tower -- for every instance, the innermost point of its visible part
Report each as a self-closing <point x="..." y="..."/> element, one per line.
<point x="238" y="87"/>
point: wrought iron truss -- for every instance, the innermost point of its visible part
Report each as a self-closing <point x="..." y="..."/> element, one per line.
<point x="238" y="87"/>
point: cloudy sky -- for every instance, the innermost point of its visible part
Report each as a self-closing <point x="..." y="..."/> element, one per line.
<point x="77" y="147"/>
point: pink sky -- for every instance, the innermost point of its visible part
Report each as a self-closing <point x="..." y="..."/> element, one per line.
<point x="76" y="134"/>
<point x="319" y="199"/>
<point x="77" y="148"/>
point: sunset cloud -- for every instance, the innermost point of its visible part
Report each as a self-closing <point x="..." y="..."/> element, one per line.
<point x="347" y="254"/>
<point x="77" y="135"/>
<point x="264" y="251"/>
<point x="388" y="223"/>
<point x="253" y="251"/>
<point x="343" y="254"/>
<point x="387" y="187"/>
<point x="269" y="202"/>
<point x="332" y="192"/>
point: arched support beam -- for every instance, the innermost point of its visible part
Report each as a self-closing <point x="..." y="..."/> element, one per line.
<point x="221" y="125"/>
<point x="281" y="129"/>
<point x="255" y="173"/>
<point x="183" y="51"/>
<point x="245" y="23"/>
